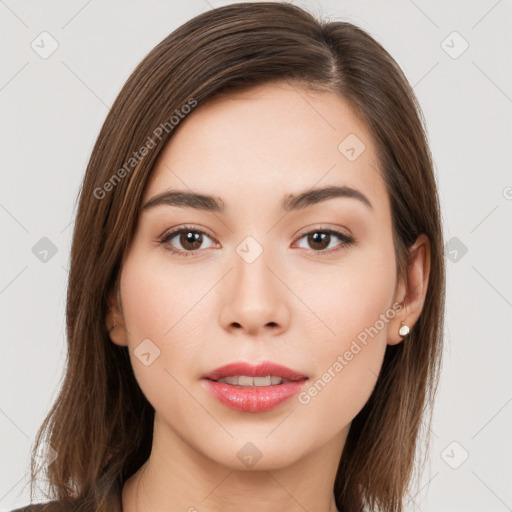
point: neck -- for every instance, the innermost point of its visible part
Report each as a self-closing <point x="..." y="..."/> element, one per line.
<point x="176" y="477"/>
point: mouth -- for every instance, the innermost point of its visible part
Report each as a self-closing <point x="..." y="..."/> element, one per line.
<point x="250" y="382"/>
<point x="245" y="374"/>
<point x="248" y="388"/>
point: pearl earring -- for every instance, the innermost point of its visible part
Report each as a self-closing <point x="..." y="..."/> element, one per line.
<point x="404" y="329"/>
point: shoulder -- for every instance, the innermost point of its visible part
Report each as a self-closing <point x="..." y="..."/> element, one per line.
<point x="49" y="506"/>
<point x="114" y="504"/>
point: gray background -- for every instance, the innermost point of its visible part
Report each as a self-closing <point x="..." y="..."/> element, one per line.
<point x="52" y="109"/>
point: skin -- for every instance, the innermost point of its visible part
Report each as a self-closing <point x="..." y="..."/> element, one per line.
<point x="291" y="305"/>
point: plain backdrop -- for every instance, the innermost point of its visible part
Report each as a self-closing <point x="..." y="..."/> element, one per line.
<point x="457" y="55"/>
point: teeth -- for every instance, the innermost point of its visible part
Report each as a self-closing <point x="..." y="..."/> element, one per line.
<point x="243" y="380"/>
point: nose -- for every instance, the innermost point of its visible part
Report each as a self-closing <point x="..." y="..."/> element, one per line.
<point x="255" y="298"/>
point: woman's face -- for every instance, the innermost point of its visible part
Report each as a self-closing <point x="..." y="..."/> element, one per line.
<point x="265" y="278"/>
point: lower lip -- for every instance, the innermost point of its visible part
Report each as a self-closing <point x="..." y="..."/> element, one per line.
<point x="253" y="399"/>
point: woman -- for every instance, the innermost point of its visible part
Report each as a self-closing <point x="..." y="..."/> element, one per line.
<point x="256" y="292"/>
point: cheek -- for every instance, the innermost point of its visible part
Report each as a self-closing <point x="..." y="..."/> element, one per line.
<point x="158" y="298"/>
<point x="335" y="396"/>
<point x="347" y="297"/>
<point x="165" y="315"/>
<point x="159" y="314"/>
<point x="353" y="302"/>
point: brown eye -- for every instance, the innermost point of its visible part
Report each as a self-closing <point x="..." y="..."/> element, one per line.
<point x="320" y="240"/>
<point x="190" y="240"/>
<point x="187" y="241"/>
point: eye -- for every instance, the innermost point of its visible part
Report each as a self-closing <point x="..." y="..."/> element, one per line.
<point x="320" y="240"/>
<point x="188" y="237"/>
<point x="191" y="239"/>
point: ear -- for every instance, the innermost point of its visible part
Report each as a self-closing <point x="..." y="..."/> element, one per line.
<point x="114" y="320"/>
<point x="413" y="292"/>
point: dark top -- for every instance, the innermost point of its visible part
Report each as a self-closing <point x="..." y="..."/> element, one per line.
<point x="49" y="506"/>
<point x="34" y="508"/>
<point x="115" y="504"/>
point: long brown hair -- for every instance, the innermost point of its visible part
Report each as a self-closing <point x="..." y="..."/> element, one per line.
<point x="101" y="425"/>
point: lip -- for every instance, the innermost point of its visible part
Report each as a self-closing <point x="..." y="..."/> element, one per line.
<point x="253" y="399"/>
<point x="261" y="370"/>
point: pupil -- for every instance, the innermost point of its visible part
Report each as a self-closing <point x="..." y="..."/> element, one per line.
<point x="191" y="238"/>
<point x="319" y="238"/>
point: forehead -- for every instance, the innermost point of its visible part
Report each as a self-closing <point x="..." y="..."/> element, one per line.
<point x="272" y="139"/>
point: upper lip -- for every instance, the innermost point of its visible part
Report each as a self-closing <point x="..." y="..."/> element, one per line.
<point x="261" y="370"/>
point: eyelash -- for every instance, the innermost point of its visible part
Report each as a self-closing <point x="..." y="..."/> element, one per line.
<point x="345" y="240"/>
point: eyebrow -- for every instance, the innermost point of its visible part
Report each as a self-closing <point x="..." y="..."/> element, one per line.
<point x="291" y="201"/>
